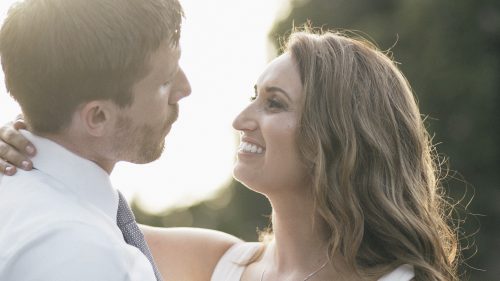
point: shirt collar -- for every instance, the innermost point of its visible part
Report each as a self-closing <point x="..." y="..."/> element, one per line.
<point x="84" y="177"/>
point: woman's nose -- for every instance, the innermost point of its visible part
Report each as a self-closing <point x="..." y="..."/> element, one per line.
<point x="246" y="120"/>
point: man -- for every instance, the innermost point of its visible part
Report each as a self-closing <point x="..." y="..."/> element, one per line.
<point x="98" y="82"/>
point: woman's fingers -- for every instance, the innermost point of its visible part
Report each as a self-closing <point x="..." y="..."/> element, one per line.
<point x="19" y="124"/>
<point x="13" y="149"/>
<point x="9" y="134"/>
<point x="11" y="155"/>
<point x="7" y="168"/>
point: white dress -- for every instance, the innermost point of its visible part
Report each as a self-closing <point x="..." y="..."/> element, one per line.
<point x="231" y="266"/>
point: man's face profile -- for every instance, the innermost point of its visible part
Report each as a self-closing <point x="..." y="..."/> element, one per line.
<point x="140" y="130"/>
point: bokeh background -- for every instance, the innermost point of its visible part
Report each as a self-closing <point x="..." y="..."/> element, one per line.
<point x="450" y="52"/>
<point x="448" y="49"/>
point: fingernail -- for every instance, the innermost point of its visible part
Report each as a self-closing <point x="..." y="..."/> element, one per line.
<point x="26" y="165"/>
<point x="9" y="170"/>
<point x="30" y="149"/>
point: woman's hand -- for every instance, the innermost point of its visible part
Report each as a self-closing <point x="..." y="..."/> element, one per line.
<point x="15" y="149"/>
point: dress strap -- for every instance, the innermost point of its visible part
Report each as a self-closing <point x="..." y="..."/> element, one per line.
<point x="404" y="272"/>
<point x="232" y="264"/>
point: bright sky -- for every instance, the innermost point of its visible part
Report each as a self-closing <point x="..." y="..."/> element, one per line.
<point x="224" y="48"/>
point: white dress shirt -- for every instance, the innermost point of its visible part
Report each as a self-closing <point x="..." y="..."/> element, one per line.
<point x="58" y="222"/>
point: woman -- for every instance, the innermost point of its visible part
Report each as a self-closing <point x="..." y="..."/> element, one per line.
<point x="334" y="139"/>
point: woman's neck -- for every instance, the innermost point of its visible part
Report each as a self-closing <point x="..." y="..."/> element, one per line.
<point x="300" y="245"/>
<point x="300" y="237"/>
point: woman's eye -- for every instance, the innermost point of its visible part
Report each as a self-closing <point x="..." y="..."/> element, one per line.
<point x="273" y="103"/>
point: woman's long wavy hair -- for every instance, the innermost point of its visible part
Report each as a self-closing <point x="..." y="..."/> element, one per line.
<point x="375" y="180"/>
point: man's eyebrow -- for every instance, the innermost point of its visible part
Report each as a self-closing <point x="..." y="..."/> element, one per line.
<point x="172" y="73"/>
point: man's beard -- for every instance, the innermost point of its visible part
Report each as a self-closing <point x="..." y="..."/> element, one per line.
<point x="139" y="145"/>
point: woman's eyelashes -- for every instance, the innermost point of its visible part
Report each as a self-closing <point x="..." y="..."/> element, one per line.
<point x="271" y="103"/>
<point x="275" y="104"/>
<point x="253" y="97"/>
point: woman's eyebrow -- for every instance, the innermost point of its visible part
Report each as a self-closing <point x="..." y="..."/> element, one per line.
<point x="274" y="89"/>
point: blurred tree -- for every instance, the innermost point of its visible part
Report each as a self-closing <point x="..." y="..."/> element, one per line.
<point x="450" y="52"/>
<point x="236" y="210"/>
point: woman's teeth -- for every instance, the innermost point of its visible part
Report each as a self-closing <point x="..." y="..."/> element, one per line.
<point x="250" y="148"/>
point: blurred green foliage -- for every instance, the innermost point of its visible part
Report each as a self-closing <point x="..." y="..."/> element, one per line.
<point x="235" y="210"/>
<point x="450" y="52"/>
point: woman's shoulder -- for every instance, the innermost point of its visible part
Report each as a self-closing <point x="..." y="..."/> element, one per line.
<point x="232" y="264"/>
<point x="404" y="272"/>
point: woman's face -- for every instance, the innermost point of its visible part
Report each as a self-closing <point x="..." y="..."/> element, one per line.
<point x="268" y="157"/>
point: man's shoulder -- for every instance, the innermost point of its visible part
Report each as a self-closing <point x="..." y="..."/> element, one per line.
<point x="51" y="222"/>
<point x="71" y="251"/>
<point x="31" y="196"/>
<point x="34" y="208"/>
<point x="25" y="183"/>
<point x="59" y="239"/>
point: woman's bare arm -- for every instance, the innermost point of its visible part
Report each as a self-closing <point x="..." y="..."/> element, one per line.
<point x="188" y="254"/>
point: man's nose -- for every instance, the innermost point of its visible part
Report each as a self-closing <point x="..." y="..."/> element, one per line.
<point x="182" y="87"/>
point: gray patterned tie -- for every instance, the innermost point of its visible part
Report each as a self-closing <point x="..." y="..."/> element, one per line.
<point x="131" y="232"/>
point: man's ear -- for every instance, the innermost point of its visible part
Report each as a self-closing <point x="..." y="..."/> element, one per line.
<point x="97" y="117"/>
